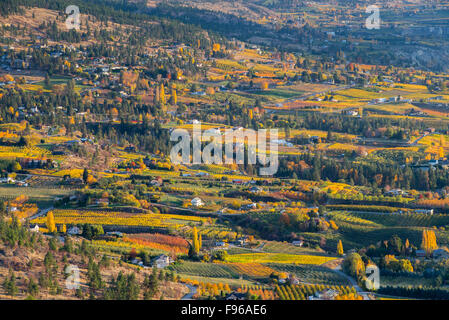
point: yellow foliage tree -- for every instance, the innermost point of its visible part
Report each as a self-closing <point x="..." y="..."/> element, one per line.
<point x="216" y="47"/>
<point x="174" y="96"/>
<point x="51" y="226"/>
<point x="340" y="248"/>
<point x="162" y="94"/>
<point x="429" y="241"/>
<point x="196" y="242"/>
<point x="441" y="152"/>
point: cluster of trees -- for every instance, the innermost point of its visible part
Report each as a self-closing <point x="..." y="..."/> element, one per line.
<point x="8" y="7"/>
<point x="390" y="262"/>
<point x="365" y="173"/>
<point x="48" y="279"/>
<point x="392" y="246"/>
<point x="280" y="226"/>
<point x="14" y="233"/>
<point x="366" y="126"/>
<point x="10" y="284"/>
<point x="429" y="293"/>
<point x="124" y="287"/>
<point x="354" y="265"/>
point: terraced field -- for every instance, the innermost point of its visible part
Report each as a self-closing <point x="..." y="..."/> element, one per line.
<point x="278" y="257"/>
<point x="311" y="274"/>
<point x="407" y="219"/>
<point x="120" y="218"/>
<point x="213" y="270"/>
<point x="342" y="216"/>
<point x="283" y="247"/>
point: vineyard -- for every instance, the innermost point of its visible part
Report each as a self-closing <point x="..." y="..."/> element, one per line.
<point x="23" y="152"/>
<point x="310" y="273"/>
<point x="34" y="194"/>
<point x="341" y="216"/>
<point x="214" y="232"/>
<point x="121" y="247"/>
<point x="364" y="208"/>
<point x="251" y="269"/>
<point x="212" y="270"/>
<point x="223" y="270"/>
<point x="159" y="241"/>
<point x="406" y="219"/>
<point x="71" y="217"/>
<point x="302" y="292"/>
<point x="355" y="237"/>
<point x="278" y="257"/>
<point x="283" y="247"/>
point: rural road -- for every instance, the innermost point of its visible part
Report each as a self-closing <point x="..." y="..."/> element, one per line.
<point x="304" y="97"/>
<point x="414" y="143"/>
<point x="41" y="213"/>
<point x="352" y="281"/>
<point x="189" y="296"/>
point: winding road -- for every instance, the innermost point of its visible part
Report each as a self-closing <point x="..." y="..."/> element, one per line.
<point x="41" y="213"/>
<point x="189" y="296"/>
<point x="352" y="281"/>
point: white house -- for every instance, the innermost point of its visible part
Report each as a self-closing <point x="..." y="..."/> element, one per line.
<point x="395" y="192"/>
<point x="197" y="202"/>
<point x="102" y="202"/>
<point x="7" y="180"/>
<point x="162" y="261"/>
<point x="298" y="243"/>
<point x="424" y="211"/>
<point x="221" y="244"/>
<point x="35" y="228"/>
<point x="74" y="231"/>
<point x="155" y="183"/>
<point x="202" y="174"/>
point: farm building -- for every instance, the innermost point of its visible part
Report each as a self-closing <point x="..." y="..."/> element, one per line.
<point x="197" y="202"/>
<point x="162" y="261"/>
<point x="235" y="296"/>
<point x="298" y="243"/>
<point x="420" y="253"/>
<point x="424" y="211"/>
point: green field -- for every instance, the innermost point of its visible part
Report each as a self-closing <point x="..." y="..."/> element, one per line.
<point x="41" y="196"/>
